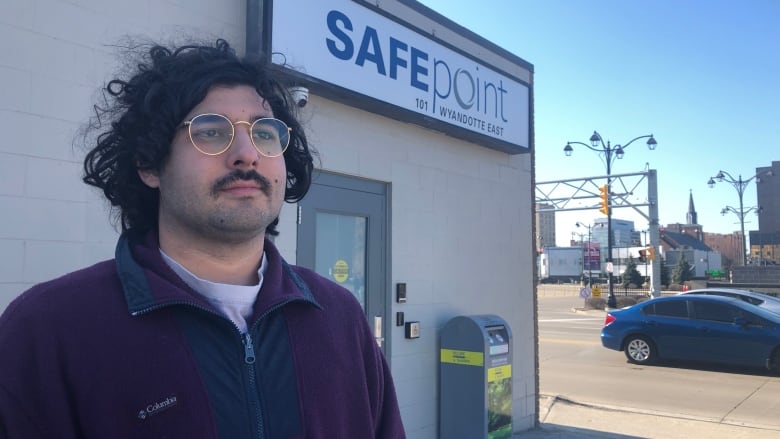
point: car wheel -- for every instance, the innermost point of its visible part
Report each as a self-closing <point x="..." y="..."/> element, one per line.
<point x="639" y="350"/>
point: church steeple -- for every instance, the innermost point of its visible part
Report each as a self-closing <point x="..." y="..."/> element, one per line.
<point x="691" y="217"/>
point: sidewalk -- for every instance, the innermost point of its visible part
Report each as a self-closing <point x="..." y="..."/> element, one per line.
<point x="565" y="419"/>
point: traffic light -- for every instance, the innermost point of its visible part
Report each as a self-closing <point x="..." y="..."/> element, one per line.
<point x="642" y="255"/>
<point x="604" y="203"/>
<point x="650" y="253"/>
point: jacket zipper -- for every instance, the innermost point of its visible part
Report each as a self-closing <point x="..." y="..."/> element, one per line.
<point x="249" y="354"/>
<point x="254" y="396"/>
<point x="249" y="359"/>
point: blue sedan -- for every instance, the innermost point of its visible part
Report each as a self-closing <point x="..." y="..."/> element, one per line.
<point x="765" y="301"/>
<point x="695" y="327"/>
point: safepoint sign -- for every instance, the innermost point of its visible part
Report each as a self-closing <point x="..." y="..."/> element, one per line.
<point x="349" y="45"/>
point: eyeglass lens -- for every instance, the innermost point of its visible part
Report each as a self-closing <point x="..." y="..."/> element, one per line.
<point x="213" y="134"/>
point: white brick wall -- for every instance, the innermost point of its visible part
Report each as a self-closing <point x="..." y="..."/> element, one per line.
<point x="461" y="241"/>
<point x="54" y="57"/>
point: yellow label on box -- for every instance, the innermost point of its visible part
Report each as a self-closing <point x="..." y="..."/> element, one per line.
<point x="499" y="373"/>
<point x="467" y="358"/>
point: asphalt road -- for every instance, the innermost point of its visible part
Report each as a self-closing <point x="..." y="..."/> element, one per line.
<point x="574" y="365"/>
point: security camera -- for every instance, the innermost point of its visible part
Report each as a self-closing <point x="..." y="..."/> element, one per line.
<point x="300" y="95"/>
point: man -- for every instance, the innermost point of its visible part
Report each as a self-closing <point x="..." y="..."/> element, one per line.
<point x="198" y="328"/>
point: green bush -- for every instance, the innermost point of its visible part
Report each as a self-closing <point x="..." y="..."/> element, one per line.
<point x="621" y="301"/>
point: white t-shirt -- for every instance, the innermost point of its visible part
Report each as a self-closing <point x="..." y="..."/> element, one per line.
<point x="235" y="301"/>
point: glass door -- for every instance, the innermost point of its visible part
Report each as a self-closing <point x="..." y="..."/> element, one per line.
<point x="343" y="236"/>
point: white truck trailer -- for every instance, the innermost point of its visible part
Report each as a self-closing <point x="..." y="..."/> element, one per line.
<point x="560" y="264"/>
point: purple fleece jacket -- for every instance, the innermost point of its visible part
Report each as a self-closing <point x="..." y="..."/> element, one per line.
<point x="125" y="349"/>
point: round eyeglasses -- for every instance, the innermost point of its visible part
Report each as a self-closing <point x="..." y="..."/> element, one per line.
<point x="212" y="134"/>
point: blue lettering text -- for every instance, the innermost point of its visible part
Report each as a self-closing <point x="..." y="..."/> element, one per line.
<point x="464" y="103"/>
<point x="438" y="91"/>
<point x="395" y="60"/>
<point x="342" y="47"/>
<point x="451" y="83"/>
<point x="347" y="49"/>
<point x="370" y="50"/>
<point x="418" y="69"/>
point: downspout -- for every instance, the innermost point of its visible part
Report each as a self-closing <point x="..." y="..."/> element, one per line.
<point x="258" y="28"/>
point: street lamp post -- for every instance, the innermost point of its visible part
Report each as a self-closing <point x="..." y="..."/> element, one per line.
<point x="582" y="246"/>
<point x="644" y="234"/>
<point x="590" y="267"/>
<point x="610" y="154"/>
<point x="740" y="185"/>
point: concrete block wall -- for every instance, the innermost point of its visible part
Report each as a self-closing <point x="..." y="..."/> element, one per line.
<point x="756" y="274"/>
<point x="54" y="56"/>
<point x="461" y="241"/>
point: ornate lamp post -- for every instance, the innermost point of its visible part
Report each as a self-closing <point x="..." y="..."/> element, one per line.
<point x="740" y="185"/>
<point x="610" y="154"/>
<point x="646" y="244"/>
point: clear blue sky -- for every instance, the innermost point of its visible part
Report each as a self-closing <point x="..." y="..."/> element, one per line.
<point x="703" y="76"/>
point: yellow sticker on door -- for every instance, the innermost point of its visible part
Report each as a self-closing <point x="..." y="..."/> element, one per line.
<point x="340" y="271"/>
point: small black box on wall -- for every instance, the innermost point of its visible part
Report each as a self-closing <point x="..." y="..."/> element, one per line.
<point x="412" y="330"/>
<point x="400" y="292"/>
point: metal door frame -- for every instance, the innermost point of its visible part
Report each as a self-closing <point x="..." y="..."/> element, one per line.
<point x="310" y="205"/>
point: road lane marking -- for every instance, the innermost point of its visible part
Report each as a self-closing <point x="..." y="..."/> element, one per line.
<point x="569" y="341"/>
<point x="601" y="319"/>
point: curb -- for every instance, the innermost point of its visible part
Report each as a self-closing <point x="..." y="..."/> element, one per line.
<point x="558" y="399"/>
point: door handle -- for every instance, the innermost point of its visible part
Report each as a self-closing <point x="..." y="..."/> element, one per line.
<point x="378" y="332"/>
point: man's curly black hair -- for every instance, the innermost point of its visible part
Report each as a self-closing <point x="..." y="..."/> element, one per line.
<point x="145" y="110"/>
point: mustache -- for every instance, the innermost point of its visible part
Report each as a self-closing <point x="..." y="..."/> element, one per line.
<point x="237" y="175"/>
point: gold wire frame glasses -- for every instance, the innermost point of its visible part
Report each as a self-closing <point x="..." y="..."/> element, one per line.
<point x="212" y="134"/>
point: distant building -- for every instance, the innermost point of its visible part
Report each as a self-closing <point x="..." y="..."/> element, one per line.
<point x="623" y="233"/>
<point x="692" y="228"/>
<point x="768" y="198"/>
<point x="765" y="242"/>
<point x="545" y="226"/>
<point x="764" y="247"/>
<point x="689" y="241"/>
<point x="691" y="217"/>
<point x="702" y="259"/>
<point x="728" y="245"/>
<point x="699" y="255"/>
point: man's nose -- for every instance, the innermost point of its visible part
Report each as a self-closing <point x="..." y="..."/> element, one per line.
<point x="243" y="151"/>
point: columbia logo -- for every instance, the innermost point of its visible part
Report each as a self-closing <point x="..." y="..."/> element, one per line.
<point x="157" y="407"/>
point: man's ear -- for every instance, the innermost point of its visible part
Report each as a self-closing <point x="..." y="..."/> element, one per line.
<point x="150" y="177"/>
